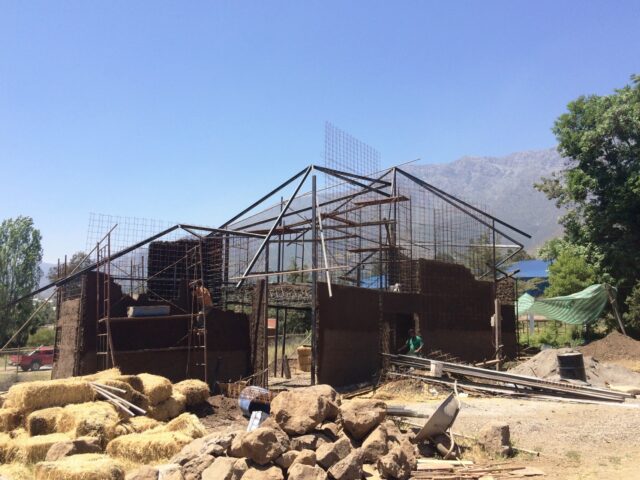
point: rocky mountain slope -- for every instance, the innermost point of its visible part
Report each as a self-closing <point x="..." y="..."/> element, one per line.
<point x="504" y="186"/>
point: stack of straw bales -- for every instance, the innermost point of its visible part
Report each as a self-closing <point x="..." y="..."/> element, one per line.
<point x="37" y="415"/>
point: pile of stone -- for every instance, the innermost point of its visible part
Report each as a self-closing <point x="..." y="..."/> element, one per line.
<point x="310" y="435"/>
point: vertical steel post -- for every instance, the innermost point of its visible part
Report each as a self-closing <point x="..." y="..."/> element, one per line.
<point x="314" y="280"/>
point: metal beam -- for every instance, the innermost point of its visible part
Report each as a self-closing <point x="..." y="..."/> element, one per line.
<point x="304" y="174"/>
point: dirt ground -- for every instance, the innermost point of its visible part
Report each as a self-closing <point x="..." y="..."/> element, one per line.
<point x="576" y="441"/>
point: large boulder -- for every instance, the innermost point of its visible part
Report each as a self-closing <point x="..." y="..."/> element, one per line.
<point x="305" y="457"/>
<point x="310" y="441"/>
<point x="285" y="460"/>
<point x="235" y="447"/>
<point x="306" y="472"/>
<point x="143" y="473"/>
<point x="349" y="468"/>
<point x="214" y="444"/>
<point x="264" y="445"/>
<point x="192" y="470"/>
<point x="396" y="464"/>
<point x="495" y="438"/>
<point x="300" y="411"/>
<point x="375" y="445"/>
<point x="226" y="468"/>
<point x="359" y="417"/>
<point x="170" y="471"/>
<point x="263" y="473"/>
<point x="78" y="446"/>
<point x="331" y="453"/>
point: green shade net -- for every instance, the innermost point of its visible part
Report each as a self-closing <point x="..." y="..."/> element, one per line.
<point x="578" y="308"/>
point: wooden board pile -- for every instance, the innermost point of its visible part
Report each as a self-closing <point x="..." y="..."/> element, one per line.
<point x="80" y="428"/>
<point x="465" y="470"/>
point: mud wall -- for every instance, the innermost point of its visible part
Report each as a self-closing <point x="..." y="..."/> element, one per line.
<point x="157" y="345"/>
<point x="452" y="313"/>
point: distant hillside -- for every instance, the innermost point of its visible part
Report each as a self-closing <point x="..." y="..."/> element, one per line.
<point x="504" y="185"/>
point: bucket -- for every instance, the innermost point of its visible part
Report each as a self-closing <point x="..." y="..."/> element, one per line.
<point x="304" y="358"/>
<point x="254" y="399"/>
<point x="571" y="366"/>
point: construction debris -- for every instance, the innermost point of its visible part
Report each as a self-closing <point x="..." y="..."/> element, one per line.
<point x="508" y="383"/>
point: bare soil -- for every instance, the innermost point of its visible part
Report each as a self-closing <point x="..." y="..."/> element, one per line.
<point x="614" y="346"/>
<point x="576" y="441"/>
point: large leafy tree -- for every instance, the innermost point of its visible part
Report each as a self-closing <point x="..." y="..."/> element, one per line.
<point x="78" y="261"/>
<point x="20" y="256"/>
<point x="600" y="137"/>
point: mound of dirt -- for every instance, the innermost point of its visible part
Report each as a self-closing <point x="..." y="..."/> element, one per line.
<point x="599" y="374"/>
<point x="614" y="346"/>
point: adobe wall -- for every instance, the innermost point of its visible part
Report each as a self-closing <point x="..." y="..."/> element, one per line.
<point x="138" y="343"/>
<point x="452" y="313"/>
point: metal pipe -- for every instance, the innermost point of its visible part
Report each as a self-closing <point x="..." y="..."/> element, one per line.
<point x="314" y="280"/>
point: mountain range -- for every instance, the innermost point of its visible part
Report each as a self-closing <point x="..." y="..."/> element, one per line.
<point x="504" y="187"/>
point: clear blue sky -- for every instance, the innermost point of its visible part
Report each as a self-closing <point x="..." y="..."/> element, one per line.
<point x="190" y="110"/>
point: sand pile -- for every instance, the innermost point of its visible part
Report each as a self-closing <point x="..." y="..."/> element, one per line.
<point x="614" y="346"/>
<point x="599" y="374"/>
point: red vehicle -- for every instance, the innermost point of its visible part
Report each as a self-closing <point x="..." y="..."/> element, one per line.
<point x="34" y="360"/>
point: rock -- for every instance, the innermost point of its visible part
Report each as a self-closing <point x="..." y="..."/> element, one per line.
<point x="285" y="460"/>
<point x="170" y="471"/>
<point x="359" y="417"/>
<point x="330" y="429"/>
<point x="299" y="412"/>
<point x="226" y="468"/>
<point x="331" y="397"/>
<point x="213" y="444"/>
<point x="395" y="464"/>
<point x="305" y="457"/>
<point x="67" y="448"/>
<point x="375" y="445"/>
<point x="306" y="472"/>
<point x="349" y="468"/>
<point x="495" y="438"/>
<point x="264" y="445"/>
<point x="263" y="473"/>
<point x="192" y="470"/>
<point x="235" y="448"/>
<point x="331" y="453"/>
<point x="143" y="473"/>
<point x="310" y="441"/>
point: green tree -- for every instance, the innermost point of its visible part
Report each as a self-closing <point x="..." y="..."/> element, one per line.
<point x="600" y="187"/>
<point x="20" y="256"/>
<point x="78" y="259"/>
<point x="569" y="274"/>
<point x="632" y="315"/>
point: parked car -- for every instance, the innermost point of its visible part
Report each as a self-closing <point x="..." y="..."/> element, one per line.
<point x="33" y="361"/>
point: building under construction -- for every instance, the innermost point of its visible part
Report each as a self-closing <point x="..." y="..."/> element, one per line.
<point x="360" y="254"/>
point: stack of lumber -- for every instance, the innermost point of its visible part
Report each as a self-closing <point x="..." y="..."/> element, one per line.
<point x="431" y="469"/>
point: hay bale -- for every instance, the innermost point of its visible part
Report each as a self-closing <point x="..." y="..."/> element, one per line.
<point x="196" y="391"/>
<point x="170" y="408"/>
<point x="133" y="380"/>
<point x="148" y="447"/>
<point x="93" y="419"/>
<point x="30" y="396"/>
<point x="10" y="419"/>
<point x="111" y="373"/>
<point x="157" y="388"/>
<point x="136" y="425"/>
<point x="15" y="471"/>
<point x="33" y="449"/>
<point x="6" y="447"/>
<point x="43" y="422"/>
<point x="186" y="423"/>
<point x="88" y="466"/>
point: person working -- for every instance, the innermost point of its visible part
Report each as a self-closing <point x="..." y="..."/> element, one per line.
<point x="414" y="344"/>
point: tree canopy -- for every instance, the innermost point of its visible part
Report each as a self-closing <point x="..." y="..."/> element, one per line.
<point x="20" y="256"/>
<point x="600" y="187"/>
<point x="78" y="259"/>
